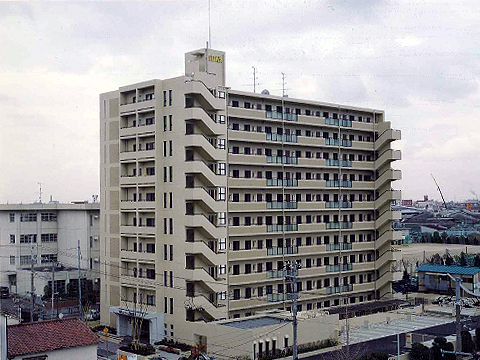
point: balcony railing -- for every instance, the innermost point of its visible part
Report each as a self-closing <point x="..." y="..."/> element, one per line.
<point x="282" y="250"/>
<point x="331" y="141"/>
<point x="282" y="160"/>
<point x="338" y="204"/>
<point x="332" y="162"/>
<point x="284" y="138"/>
<point x="337" y="183"/>
<point x="339" y="246"/>
<point x="275" y="274"/>
<point x="346" y="163"/>
<point x="339" y="225"/>
<point x="346" y="143"/>
<point x="282" y="182"/>
<point x="280" y="116"/>
<point x="338" y="122"/>
<point x="282" y="205"/>
<point x="339" y="289"/>
<point x="279" y="297"/>
<point x="339" y="267"/>
<point x="280" y="228"/>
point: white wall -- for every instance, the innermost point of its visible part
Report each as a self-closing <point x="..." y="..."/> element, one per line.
<point x="77" y="353"/>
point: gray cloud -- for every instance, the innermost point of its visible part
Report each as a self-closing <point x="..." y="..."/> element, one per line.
<point x="418" y="60"/>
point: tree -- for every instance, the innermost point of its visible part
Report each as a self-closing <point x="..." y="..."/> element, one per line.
<point x="449" y="347"/>
<point x="476" y="260"/>
<point x="467" y="343"/>
<point x="444" y="237"/>
<point x="436" y="237"/>
<point x="477" y="338"/>
<point x="448" y="259"/>
<point x="373" y="356"/>
<point x="439" y="344"/>
<point x="419" y="352"/>
<point x="462" y="260"/>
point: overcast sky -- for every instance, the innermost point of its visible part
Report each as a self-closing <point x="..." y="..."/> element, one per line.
<point x="417" y="60"/>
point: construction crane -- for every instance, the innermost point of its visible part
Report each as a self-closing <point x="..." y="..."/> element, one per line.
<point x="440" y="191"/>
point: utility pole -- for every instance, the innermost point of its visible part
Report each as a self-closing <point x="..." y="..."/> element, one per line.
<point x="32" y="281"/>
<point x="291" y="275"/>
<point x="398" y="338"/>
<point x="53" y="290"/>
<point x="79" y="283"/>
<point x="347" y="328"/>
<point x="458" y="346"/>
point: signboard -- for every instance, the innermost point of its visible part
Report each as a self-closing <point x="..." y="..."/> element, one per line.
<point x="215" y="58"/>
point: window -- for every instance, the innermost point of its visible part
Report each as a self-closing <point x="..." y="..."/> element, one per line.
<point x="48" y="237"/>
<point x="234" y="103"/>
<point x="24" y="260"/>
<point x="236" y="270"/>
<point x="221" y="168"/>
<point x="170" y="98"/>
<point x="28" y="217"/>
<point x="151" y="300"/>
<point x="248" y="293"/>
<point x="222" y="244"/>
<point x="28" y="238"/>
<point x="170" y="172"/>
<point x="47" y="258"/>
<point x="236" y="294"/>
<point x="12" y="217"/>
<point x="12" y="239"/>
<point x="222" y="295"/>
<point x="171" y="306"/>
<point x="165" y="254"/>
<point x="12" y="260"/>
<point x="165" y="102"/>
<point x="222" y="269"/>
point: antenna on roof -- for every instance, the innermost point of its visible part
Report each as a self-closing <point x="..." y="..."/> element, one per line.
<point x="254" y="77"/>
<point x="283" y="85"/>
<point x="209" y="29"/>
<point x="39" y="192"/>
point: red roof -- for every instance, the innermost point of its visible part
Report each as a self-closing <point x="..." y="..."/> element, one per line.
<point x="42" y="336"/>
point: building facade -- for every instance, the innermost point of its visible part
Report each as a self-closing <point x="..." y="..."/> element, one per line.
<point x="50" y="232"/>
<point x="207" y="193"/>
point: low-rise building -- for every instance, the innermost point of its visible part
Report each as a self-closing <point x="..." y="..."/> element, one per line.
<point x="53" y="340"/>
<point x="49" y="234"/>
<point x="434" y="278"/>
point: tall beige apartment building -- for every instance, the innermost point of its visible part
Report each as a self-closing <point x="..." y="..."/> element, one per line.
<point x="207" y="192"/>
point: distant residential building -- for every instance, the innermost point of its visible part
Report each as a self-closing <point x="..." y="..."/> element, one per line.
<point x="52" y="230"/>
<point x="407" y="202"/>
<point x="53" y="340"/>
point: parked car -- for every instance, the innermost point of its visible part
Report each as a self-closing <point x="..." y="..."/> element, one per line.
<point x="4" y="292"/>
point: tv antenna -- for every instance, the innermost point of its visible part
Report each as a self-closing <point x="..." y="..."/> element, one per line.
<point x="254" y="77"/>
<point x="209" y="29"/>
<point x="39" y="192"/>
<point x="283" y="85"/>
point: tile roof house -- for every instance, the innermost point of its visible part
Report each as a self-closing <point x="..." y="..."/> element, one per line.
<point x="53" y="339"/>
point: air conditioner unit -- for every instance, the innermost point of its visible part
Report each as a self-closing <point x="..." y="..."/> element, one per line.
<point x="95" y="238"/>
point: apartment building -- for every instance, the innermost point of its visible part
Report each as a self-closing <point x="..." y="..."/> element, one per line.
<point x="49" y="231"/>
<point x="209" y="192"/>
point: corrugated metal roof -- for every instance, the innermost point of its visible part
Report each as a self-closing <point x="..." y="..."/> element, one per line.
<point x="451" y="269"/>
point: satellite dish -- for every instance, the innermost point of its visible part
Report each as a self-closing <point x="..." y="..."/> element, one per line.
<point x="265" y="92"/>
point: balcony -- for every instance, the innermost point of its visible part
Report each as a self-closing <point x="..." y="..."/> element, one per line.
<point x="386" y="137"/>
<point x="203" y="145"/>
<point x="346" y="163"/>
<point x="282" y="228"/>
<point x="282" y="205"/>
<point x="135" y="255"/>
<point x="339" y="289"/>
<point x="282" y="182"/>
<point x="281" y="138"/>
<point x="205" y="122"/>
<point x="339" y="267"/>
<point x="279" y="297"/>
<point x="386" y="176"/>
<point x="339" y="246"/>
<point x="338" y="205"/>
<point x="338" y="183"/>
<point x="276" y="274"/>
<point x="204" y="95"/>
<point x="338" y="122"/>
<point x="274" y="251"/>
<point x="331" y="142"/>
<point x="387" y="197"/>
<point x="338" y="225"/>
<point x="281" y="160"/>
<point x="281" y="116"/>
<point x="332" y="162"/>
